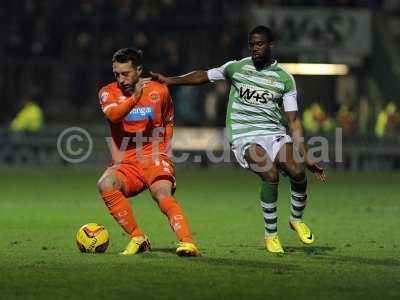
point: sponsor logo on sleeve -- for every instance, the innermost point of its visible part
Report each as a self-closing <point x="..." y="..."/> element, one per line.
<point x="104" y="96"/>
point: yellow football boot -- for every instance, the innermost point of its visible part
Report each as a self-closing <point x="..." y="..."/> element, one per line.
<point x="273" y="244"/>
<point x="303" y="231"/>
<point x="187" y="249"/>
<point x="137" y="245"/>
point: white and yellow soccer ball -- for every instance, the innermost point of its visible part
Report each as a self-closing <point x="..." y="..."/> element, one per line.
<point x="92" y="238"/>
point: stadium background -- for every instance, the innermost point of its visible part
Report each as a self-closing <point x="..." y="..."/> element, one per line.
<point x="58" y="53"/>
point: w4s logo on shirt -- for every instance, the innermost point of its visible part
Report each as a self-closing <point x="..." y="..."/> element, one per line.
<point x="253" y="96"/>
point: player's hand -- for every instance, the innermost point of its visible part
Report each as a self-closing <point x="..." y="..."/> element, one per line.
<point x="317" y="170"/>
<point x="138" y="92"/>
<point x="160" y="78"/>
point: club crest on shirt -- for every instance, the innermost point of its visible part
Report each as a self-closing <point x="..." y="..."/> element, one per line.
<point x="154" y="96"/>
<point x="121" y="99"/>
<point x="270" y="80"/>
<point x="104" y="96"/>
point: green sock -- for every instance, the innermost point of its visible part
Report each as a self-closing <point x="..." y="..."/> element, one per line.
<point x="269" y="197"/>
<point x="298" y="199"/>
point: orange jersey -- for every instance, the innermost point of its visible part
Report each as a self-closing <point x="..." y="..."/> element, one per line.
<point x="146" y="128"/>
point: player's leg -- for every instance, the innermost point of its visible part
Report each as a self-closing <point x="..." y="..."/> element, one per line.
<point x="113" y="189"/>
<point x="161" y="191"/>
<point x="298" y="184"/>
<point x="260" y="163"/>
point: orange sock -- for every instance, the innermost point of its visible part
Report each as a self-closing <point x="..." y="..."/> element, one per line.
<point x="177" y="219"/>
<point x="121" y="210"/>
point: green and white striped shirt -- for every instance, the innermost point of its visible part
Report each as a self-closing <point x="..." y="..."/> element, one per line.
<point x="257" y="98"/>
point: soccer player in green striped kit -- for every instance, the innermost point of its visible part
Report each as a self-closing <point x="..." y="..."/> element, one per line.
<point x="262" y="95"/>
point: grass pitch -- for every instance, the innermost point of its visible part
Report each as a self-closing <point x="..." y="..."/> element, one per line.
<point x="355" y="218"/>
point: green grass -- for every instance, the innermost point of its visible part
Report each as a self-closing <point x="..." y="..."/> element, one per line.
<point x="355" y="218"/>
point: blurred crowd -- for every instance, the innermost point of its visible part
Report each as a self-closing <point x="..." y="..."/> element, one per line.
<point x="354" y="121"/>
<point x="59" y="54"/>
<point x="60" y="51"/>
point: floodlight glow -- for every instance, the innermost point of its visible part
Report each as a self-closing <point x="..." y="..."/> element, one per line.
<point x="316" y="69"/>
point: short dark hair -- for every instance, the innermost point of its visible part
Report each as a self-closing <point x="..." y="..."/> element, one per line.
<point x="128" y="54"/>
<point x="266" y="31"/>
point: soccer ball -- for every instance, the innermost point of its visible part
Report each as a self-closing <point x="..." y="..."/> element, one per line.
<point x="92" y="238"/>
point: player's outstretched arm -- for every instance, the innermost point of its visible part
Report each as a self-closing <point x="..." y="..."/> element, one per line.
<point x="192" y="78"/>
<point x="116" y="112"/>
<point x="296" y="130"/>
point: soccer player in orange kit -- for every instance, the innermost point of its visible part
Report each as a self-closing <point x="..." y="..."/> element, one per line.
<point x="140" y="114"/>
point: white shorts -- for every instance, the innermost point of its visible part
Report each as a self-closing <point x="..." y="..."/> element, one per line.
<point x="270" y="143"/>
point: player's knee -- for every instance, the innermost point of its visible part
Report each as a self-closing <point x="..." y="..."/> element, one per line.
<point x="160" y="194"/>
<point x="270" y="176"/>
<point x="161" y="189"/>
<point x="106" y="184"/>
<point x="297" y="173"/>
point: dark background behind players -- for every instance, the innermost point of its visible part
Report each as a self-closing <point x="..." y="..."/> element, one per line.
<point x="58" y="52"/>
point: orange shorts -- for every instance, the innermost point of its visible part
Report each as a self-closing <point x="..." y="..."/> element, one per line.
<point x="138" y="176"/>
